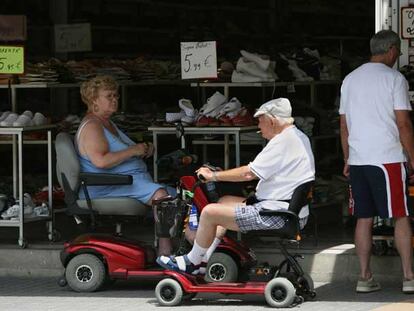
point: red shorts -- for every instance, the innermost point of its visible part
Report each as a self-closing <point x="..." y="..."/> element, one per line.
<point x="380" y="190"/>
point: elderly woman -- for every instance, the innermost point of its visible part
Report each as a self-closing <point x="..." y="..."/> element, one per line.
<point x="104" y="148"/>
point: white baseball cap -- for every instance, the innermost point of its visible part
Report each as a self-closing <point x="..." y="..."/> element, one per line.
<point x="279" y="107"/>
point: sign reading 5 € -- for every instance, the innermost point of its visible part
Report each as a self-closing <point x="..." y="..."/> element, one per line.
<point x="198" y="60"/>
<point x="11" y="59"/>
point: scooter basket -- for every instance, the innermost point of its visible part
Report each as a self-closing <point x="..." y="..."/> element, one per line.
<point x="169" y="217"/>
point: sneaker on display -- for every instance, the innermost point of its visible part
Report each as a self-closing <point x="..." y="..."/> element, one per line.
<point x="23" y="120"/>
<point x="9" y="119"/>
<point x="4" y="115"/>
<point x="41" y="211"/>
<point x="28" y="113"/>
<point x="39" y="119"/>
<point x="11" y="212"/>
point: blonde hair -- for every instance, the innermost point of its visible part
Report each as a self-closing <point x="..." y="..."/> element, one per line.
<point x="90" y="88"/>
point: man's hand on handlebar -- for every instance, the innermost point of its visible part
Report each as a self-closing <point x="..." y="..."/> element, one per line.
<point x="206" y="173"/>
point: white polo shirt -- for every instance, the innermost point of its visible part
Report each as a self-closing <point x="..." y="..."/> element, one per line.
<point x="284" y="163"/>
<point x="369" y="96"/>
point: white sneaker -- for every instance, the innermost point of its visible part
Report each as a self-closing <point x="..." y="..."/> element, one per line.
<point x="4" y="115"/>
<point x="233" y="105"/>
<point x="187" y="107"/>
<point x="39" y="119"/>
<point x="172" y="117"/>
<point x="214" y="102"/>
<point x="72" y="118"/>
<point x="11" y="212"/>
<point x="9" y="119"/>
<point x="23" y="120"/>
<point x="28" y="113"/>
<point x="263" y="61"/>
<point x="41" y="211"/>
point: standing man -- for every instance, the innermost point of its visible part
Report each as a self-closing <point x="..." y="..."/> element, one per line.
<point x="377" y="142"/>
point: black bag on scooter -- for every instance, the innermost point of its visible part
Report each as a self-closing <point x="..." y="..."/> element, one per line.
<point x="169" y="214"/>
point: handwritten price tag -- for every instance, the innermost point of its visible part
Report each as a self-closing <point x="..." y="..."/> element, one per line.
<point x="407" y="22"/>
<point x="73" y="38"/>
<point x="11" y="59"/>
<point x="198" y="60"/>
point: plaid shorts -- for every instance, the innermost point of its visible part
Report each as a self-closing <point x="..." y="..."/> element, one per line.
<point x="248" y="219"/>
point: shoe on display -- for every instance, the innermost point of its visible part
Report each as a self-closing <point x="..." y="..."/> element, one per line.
<point x="187" y="120"/>
<point x="263" y="61"/>
<point x="39" y="119"/>
<point x="367" y="286"/>
<point x="172" y="117"/>
<point x="233" y="105"/>
<point x="214" y="102"/>
<point x="9" y="119"/>
<point x="23" y="120"/>
<point x="244" y="118"/>
<point x="11" y="212"/>
<point x="41" y="211"/>
<point x="4" y="115"/>
<point x="187" y="107"/>
<point x="28" y="113"/>
<point x="72" y="118"/>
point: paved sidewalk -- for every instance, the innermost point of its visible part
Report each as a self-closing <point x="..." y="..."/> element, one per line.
<point x="43" y="294"/>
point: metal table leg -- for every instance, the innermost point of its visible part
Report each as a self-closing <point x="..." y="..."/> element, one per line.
<point x="155" y="155"/>
<point x="226" y="152"/>
<point x="22" y="242"/>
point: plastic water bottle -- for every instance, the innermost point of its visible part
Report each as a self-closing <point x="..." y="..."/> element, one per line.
<point x="193" y="221"/>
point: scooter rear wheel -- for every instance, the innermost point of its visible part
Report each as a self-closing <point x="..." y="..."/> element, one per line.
<point x="85" y="273"/>
<point x="221" y="268"/>
<point x="279" y="293"/>
<point x="169" y="292"/>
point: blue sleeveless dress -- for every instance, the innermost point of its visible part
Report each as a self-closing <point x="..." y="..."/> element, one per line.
<point x="142" y="188"/>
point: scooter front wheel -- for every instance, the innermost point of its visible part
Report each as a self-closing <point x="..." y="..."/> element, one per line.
<point x="279" y="293"/>
<point x="169" y="292"/>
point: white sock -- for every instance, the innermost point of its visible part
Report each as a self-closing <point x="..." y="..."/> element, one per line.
<point x="196" y="254"/>
<point x="211" y="249"/>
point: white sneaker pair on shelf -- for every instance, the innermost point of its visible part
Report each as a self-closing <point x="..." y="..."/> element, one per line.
<point x="25" y="119"/>
<point x="187" y="115"/>
<point x="218" y="106"/>
<point x="13" y="212"/>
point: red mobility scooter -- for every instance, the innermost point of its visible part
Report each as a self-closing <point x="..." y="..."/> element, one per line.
<point x="282" y="285"/>
<point x="93" y="260"/>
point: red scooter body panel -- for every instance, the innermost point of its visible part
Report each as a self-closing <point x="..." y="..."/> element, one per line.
<point x="120" y="255"/>
<point x="193" y="284"/>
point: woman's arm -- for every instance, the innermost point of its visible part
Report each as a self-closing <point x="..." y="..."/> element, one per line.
<point x="93" y="144"/>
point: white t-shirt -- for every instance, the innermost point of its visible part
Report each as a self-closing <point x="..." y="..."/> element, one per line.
<point x="284" y="163"/>
<point x="369" y="96"/>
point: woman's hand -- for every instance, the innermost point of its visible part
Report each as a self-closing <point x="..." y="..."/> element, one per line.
<point x="206" y="173"/>
<point x="143" y="150"/>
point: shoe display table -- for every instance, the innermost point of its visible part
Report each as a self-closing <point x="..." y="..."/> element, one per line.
<point x="17" y="134"/>
<point x="181" y="132"/>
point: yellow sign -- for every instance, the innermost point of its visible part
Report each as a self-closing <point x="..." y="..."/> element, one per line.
<point x="11" y="59"/>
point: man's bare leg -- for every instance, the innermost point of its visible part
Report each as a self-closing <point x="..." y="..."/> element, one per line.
<point x="363" y="244"/>
<point x="403" y="242"/>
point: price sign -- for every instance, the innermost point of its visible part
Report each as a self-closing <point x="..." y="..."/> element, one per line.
<point x="407" y="22"/>
<point x="73" y="38"/>
<point x="198" y="60"/>
<point x="11" y="59"/>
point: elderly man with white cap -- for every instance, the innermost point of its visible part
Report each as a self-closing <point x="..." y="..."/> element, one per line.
<point x="284" y="163"/>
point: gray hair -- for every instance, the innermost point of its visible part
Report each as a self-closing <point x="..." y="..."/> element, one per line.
<point x="383" y="40"/>
<point x="282" y="121"/>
